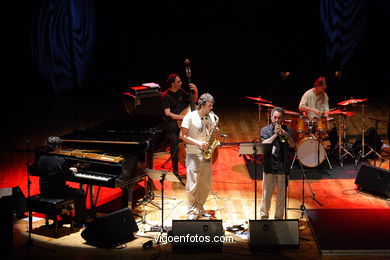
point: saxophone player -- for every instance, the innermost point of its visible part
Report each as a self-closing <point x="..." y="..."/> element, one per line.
<point x="196" y="129"/>
<point x="281" y="139"/>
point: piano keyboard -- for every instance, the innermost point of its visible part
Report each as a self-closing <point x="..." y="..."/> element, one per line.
<point x="98" y="176"/>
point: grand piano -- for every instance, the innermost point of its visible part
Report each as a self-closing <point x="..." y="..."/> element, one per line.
<point x="109" y="155"/>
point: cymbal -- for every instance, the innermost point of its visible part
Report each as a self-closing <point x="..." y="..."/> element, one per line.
<point x="289" y="112"/>
<point x="265" y="105"/>
<point x="351" y="101"/>
<point x="259" y="99"/>
<point x="340" y="112"/>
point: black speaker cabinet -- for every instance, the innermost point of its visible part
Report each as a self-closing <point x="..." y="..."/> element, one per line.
<point x="111" y="229"/>
<point x="273" y="234"/>
<point x="197" y="234"/>
<point x="374" y="179"/>
<point x="20" y="202"/>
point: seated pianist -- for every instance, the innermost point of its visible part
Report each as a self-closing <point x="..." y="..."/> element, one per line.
<point x="53" y="172"/>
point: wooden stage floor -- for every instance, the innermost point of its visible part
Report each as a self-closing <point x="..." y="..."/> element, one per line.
<point x="231" y="200"/>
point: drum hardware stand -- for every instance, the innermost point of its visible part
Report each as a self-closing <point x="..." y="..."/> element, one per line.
<point x="376" y="148"/>
<point x="259" y="120"/>
<point x="361" y="154"/>
<point x="326" y="154"/>
<point x="302" y="207"/>
<point x="341" y="144"/>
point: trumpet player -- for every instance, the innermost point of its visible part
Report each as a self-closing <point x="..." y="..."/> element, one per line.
<point x="281" y="138"/>
<point x="196" y="129"/>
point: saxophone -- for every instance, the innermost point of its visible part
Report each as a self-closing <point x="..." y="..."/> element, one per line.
<point x="213" y="142"/>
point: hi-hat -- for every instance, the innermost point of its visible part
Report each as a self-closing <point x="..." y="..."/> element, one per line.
<point x="351" y="101"/>
<point x="259" y="99"/>
<point x="340" y="112"/>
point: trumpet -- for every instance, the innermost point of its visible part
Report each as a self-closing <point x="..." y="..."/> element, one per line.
<point x="282" y="136"/>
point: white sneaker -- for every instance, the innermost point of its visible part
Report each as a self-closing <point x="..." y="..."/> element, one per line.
<point x="192" y="217"/>
<point x="206" y="215"/>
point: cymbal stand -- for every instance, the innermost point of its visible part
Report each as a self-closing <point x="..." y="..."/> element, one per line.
<point x="319" y="138"/>
<point x="259" y="121"/>
<point x="341" y="144"/>
<point x="362" y="154"/>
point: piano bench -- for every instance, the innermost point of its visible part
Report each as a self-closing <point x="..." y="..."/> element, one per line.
<point x="52" y="208"/>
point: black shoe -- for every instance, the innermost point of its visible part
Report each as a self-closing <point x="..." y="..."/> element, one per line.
<point x="179" y="178"/>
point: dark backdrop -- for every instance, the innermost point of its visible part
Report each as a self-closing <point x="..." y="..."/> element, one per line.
<point x="236" y="48"/>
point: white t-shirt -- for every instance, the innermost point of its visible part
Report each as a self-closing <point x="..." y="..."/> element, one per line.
<point x="198" y="128"/>
<point x="310" y="99"/>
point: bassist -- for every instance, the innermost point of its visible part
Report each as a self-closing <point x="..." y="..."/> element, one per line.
<point x="175" y="100"/>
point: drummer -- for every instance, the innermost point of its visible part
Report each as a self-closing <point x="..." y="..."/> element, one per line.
<point x="315" y="102"/>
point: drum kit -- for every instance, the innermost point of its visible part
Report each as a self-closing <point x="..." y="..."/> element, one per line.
<point x="310" y="132"/>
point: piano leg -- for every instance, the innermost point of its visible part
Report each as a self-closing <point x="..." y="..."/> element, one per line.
<point x="90" y="194"/>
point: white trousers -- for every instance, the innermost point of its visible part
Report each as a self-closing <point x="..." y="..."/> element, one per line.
<point x="269" y="183"/>
<point x="199" y="181"/>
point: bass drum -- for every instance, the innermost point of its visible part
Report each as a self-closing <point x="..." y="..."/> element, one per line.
<point x="310" y="152"/>
<point x="183" y="154"/>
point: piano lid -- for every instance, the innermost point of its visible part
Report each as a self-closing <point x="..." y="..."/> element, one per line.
<point x="128" y="135"/>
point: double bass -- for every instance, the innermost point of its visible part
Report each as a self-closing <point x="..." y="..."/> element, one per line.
<point x="190" y="108"/>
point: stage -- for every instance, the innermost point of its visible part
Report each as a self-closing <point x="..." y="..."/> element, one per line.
<point x="231" y="201"/>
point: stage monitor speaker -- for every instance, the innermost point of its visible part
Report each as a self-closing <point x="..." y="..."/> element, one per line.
<point x="19" y="202"/>
<point x="374" y="179"/>
<point x="197" y="234"/>
<point x="265" y="234"/>
<point x="111" y="229"/>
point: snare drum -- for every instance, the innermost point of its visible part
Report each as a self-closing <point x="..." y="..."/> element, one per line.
<point x="310" y="152"/>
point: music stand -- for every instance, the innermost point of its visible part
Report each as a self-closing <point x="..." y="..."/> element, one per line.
<point x="162" y="175"/>
<point x="255" y="149"/>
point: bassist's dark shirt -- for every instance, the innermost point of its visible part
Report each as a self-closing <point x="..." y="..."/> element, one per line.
<point x="176" y="101"/>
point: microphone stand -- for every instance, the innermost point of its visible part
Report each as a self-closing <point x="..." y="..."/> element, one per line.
<point x="170" y="158"/>
<point x="302" y="207"/>
<point x="255" y="170"/>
